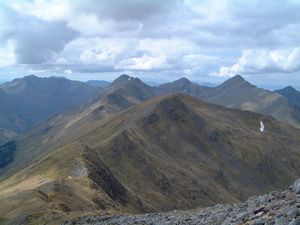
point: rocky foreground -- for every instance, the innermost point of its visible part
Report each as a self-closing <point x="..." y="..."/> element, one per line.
<point x="278" y="208"/>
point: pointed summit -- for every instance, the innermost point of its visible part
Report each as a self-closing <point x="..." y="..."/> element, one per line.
<point x="291" y="94"/>
<point x="182" y="85"/>
<point x="31" y="77"/>
<point x="289" y="88"/>
<point x="183" y="80"/>
<point x="131" y="87"/>
<point x="238" y="77"/>
<point x="237" y="80"/>
<point x="124" y="80"/>
<point x="121" y="79"/>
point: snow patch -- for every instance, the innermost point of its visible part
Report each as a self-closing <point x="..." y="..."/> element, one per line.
<point x="262" y="127"/>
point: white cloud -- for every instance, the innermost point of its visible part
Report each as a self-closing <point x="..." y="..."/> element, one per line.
<point x="51" y="10"/>
<point x="68" y="71"/>
<point x="95" y="50"/>
<point x="144" y="62"/>
<point x="190" y="37"/>
<point x="264" y="61"/>
<point x="7" y="54"/>
<point x="195" y="60"/>
<point x="132" y="54"/>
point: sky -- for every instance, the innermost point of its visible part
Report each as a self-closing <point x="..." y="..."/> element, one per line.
<point x="156" y="40"/>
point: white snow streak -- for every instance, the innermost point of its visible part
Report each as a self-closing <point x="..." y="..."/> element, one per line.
<point x="262" y="127"/>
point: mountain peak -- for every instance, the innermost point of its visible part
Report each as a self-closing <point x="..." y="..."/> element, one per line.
<point x="130" y="87"/>
<point x="182" y="85"/>
<point x="291" y="94"/>
<point x="289" y="88"/>
<point x="183" y="81"/>
<point x="124" y="79"/>
<point x="31" y="77"/>
<point x="236" y="80"/>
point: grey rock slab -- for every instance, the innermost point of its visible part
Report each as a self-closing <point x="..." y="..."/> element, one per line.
<point x="281" y="221"/>
<point x="259" y="221"/>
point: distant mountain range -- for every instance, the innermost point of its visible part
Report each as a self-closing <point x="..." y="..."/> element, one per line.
<point x="135" y="148"/>
<point x="238" y="93"/>
<point x="30" y="100"/>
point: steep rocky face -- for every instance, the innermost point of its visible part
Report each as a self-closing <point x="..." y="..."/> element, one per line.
<point x="274" y="208"/>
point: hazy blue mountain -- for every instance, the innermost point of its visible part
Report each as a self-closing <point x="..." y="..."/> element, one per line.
<point x="291" y="94"/>
<point x="98" y="83"/>
<point x="27" y="101"/>
<point x="182" y="85"/>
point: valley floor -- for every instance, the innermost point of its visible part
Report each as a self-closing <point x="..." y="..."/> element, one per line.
<point x="278" y="208"/>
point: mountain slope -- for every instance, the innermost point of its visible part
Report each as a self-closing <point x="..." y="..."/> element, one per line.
<point x="28" y="101"/>
<point x="291" y="94"/>
<point x="166" y="153"/>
